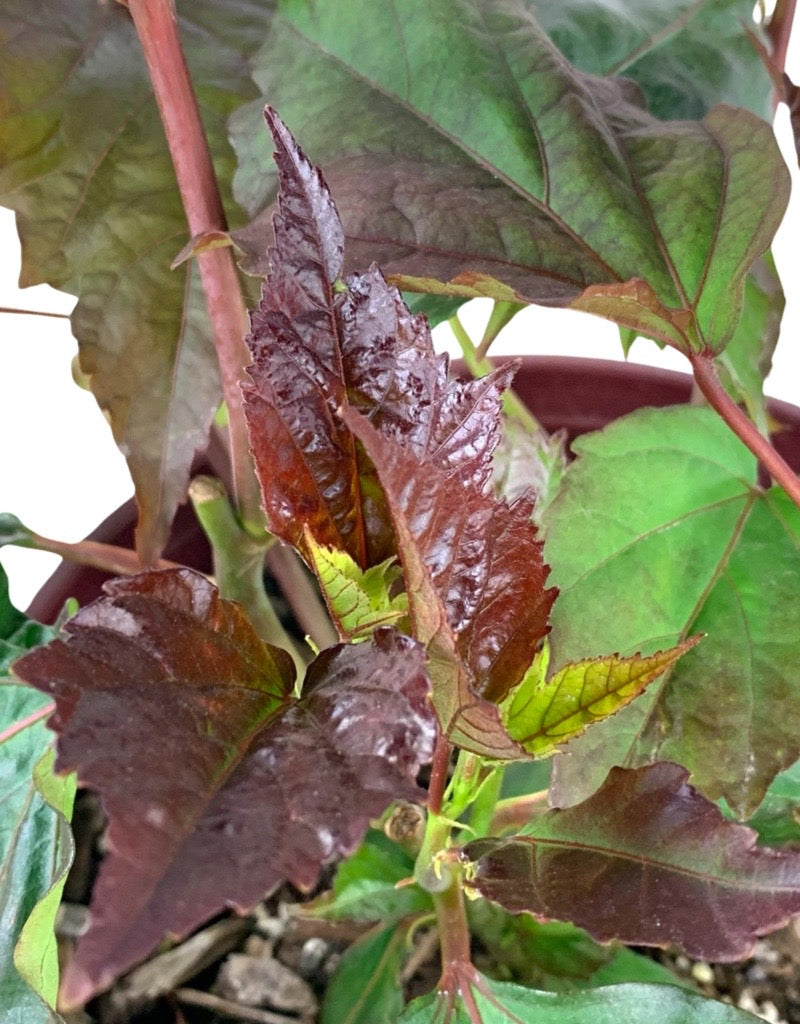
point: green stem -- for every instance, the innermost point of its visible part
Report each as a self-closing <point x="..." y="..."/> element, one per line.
<point x="718" y="398"/>
<point x="485" y="801"/>
<point x="501" y="316"/>
<point x="156" y="26"/>
<point x="239" y="563"/>
<point x="451" y="919"/>
<point x="516" y="811"/>
<point x="513" y="406"/>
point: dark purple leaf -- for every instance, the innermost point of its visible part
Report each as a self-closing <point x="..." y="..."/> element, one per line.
<point x="218" y="785"/>
<point x="647" y="860"/>
<point x="319" y="342"/>
<point x="475" y="579"/>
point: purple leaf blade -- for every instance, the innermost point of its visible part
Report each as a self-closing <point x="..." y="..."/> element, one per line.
<point x="647" y="860"/>
<point x="217" y="785"/>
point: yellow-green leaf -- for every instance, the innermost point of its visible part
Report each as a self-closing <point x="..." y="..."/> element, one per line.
<point x="359" y="600"/>
<point x="542" y="715"/>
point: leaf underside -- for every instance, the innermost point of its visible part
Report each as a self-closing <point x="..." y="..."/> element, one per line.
<point x="560" y="190"/>
<point x="238" y="786"/>
<point x="681" y="550"/>
<point x="692" y="878"/>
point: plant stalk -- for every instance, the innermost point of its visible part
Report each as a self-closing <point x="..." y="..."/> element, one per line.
<point x="239" y="564"/>
<point x="451" y="919"/>
<point x="779" y="31"/>
<point x="156" y="26"/>
<point x="718" y="398"/>
<point x="108" y="558"/>
<point x="439" y="770"/>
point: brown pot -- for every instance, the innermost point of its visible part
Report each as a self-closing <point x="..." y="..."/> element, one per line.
<point x="578" y="395"/>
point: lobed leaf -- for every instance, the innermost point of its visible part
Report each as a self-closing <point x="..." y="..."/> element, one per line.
<point x="664" y="505"/>
<point x="541" y="715"/>
<point x="84" y="163"/>
<point x="690" y="877"/>
<point x="238" y="787"/>
<point x="475" y="580"/>
<point x="521" y="177"/>
<point x="497" y="1002"/>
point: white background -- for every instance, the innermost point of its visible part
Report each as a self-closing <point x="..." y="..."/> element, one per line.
<point x="61" y="473"/>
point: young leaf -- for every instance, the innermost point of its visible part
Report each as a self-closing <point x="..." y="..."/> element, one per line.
<point x="35" y="839"/>
<point x="497" y="1002"/>
<point x="365" y="987"/>
<point x="319" y="343"/>
<point x="523" y="178"/>
<point x="237" y="786"/>
<point x="659" y="531"/>
<point x="541" y="716"/>
<point x="359" y="600"/>
<point x="84" y="162"/>
<point x="688" y="876"/>
<point x="366" y="888"/>
<point x="475" y="579"/>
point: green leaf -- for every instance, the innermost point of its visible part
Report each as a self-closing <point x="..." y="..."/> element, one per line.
<point x="365" y="987"/>
<point x="365" y="887"/>
<point x="495" y="1002"/>
<point x="542" y="715"/>
<point x="554" y="955"/>
<point x="559" y="188"/>
<point x="747" y="358"/>
<point x="777" y="819"/>
<point x="684" y="55"/>
<point x="660" y="531"/>
<point x="359" y="600"/>
<point x="35" y="839"/>
<point x="84" y="163"/>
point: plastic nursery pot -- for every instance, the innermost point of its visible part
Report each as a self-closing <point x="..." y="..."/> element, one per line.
<point x="577" y="395"/>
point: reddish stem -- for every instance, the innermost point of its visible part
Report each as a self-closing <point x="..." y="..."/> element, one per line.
<point x="439" y="770"/>
<point x="718" y="398"/>
<point x="25" y="723"/>
<point x="157" y="29"/>
<point x="779" y="31"/>
<point x="106" y="557"/>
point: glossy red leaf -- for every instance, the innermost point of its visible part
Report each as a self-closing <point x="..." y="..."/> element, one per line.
<point x="218" y="785"/>
<point x="319" y="342"/>
<point x="475" y="578"/>
<point x="647" y="860"/>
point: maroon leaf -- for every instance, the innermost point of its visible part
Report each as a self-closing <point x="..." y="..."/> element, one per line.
<point x="218" y="785"/>
<point x="647" y="860"/>
<point x="318" y="343"/>
<point x="475" y="578"/>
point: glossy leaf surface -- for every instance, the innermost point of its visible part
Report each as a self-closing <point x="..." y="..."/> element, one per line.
<point x="226" y="764"/>
<point x="521" y="178"/>
<point x="35" y="840"/>
<point x="684" y="529"/>
<point x="475" y="580"/>
<point x="319" y="343"/>
<point x="496" y="1002"/>
<point x="542" y="715"/>
<point x="84" y="163"/>
<point x="690" y="877"/>
<point x="365" y="987"/>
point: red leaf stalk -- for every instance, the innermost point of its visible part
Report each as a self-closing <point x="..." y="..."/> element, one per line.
<point x="157" y="29"/>
<point x="719" y="399"/>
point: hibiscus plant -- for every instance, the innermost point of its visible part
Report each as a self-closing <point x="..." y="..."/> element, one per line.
<point x="543" y="713"/>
